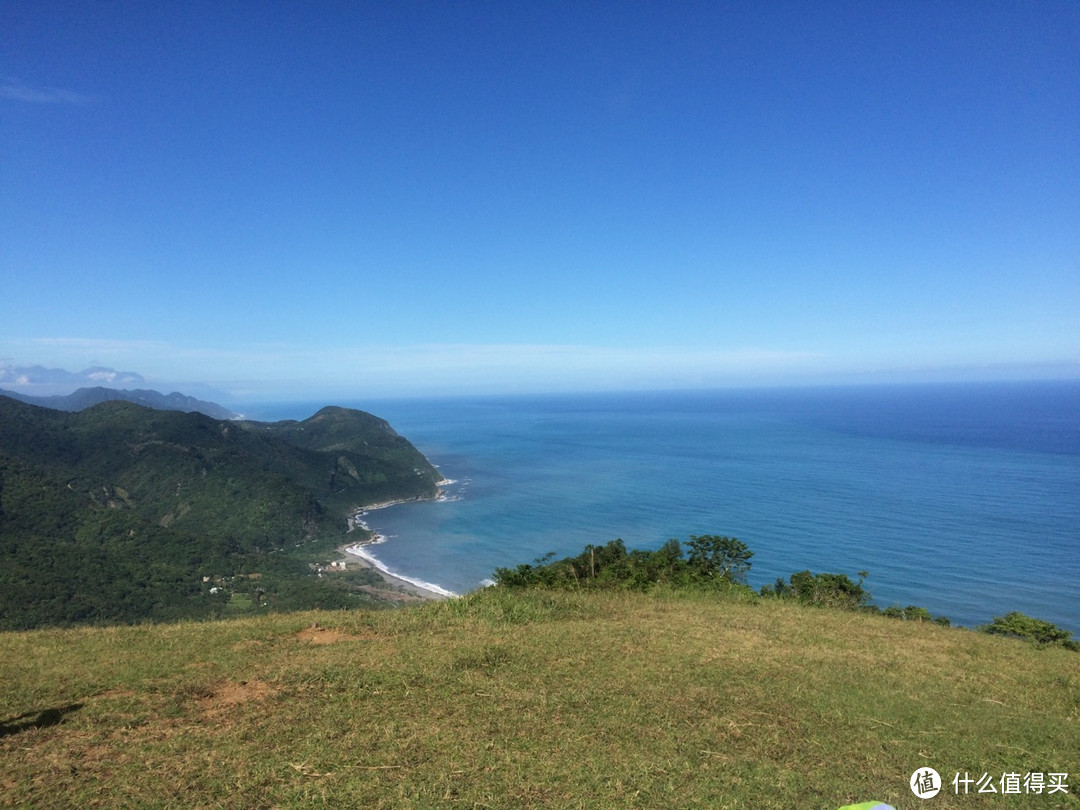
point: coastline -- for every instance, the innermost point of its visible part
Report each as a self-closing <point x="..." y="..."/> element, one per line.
<point x="969" y="469"/>
<point x="358" y="512"/>
<point x="359" y="553"/>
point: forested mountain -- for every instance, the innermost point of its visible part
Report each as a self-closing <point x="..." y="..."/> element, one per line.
<point x="88" y="397"/>
<point x="118" y="512"/>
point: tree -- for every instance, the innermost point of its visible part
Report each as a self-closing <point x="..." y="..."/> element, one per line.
<point x="719" y="556"/>
<point x="669" y="559"/>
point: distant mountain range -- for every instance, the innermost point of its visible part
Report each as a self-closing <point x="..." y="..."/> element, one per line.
<point x="53" y="380"/>
<point x="75" y="390"/>
<point x="87" y="397"/>
<point x="120" y="513"/>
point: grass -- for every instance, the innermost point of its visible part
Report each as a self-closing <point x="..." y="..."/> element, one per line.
<point x="533" y="699"/>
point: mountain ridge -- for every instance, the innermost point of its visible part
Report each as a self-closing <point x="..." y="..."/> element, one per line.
<point x="87" y="397"/>
<point x="118" y="512"/>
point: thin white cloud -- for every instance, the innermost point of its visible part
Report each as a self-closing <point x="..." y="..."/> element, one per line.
<point x="269" y="368"/>
<point x="271" y="371"/>
<point x="14" y="90"/>
<point x="470" y="368"/>
<point x="95" y="344"/>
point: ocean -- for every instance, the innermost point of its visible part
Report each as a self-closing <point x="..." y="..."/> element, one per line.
<point x="960" y="498"/>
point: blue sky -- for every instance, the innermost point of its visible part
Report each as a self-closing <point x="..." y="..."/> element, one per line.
<point x="287" y="199"/>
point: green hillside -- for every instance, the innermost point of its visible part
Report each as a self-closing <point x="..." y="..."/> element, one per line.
<point x="534" y="699"/>
<point x="122" y="513"/>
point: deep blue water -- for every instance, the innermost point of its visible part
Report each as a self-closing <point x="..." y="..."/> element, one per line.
<point x="964" y="499"/>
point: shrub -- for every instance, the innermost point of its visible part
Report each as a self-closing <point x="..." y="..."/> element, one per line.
<point x="912" y="613"/>
<point x="826" y="590"/>
<point x="1043" y="633"/>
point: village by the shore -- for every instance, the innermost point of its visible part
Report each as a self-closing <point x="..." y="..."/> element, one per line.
<point x="396" y="589"/>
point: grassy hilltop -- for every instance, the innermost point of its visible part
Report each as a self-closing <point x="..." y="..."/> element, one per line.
<point x="533" y="698"/>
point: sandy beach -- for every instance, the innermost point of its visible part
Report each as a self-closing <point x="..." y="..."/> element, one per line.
<point x="357" y="554"/>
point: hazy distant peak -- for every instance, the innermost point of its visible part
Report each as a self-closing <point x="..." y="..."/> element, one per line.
<point x="88" y="397"/>
<point x="43" y="380"/>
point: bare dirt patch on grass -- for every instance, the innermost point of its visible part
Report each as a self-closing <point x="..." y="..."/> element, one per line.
<point x="328" y="635"/>
<point x="221" y="698"/>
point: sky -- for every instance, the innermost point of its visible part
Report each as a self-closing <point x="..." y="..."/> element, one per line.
<point x="286" y="200"/>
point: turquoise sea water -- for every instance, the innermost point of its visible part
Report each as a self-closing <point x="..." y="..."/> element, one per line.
<point x="964" y="499"/>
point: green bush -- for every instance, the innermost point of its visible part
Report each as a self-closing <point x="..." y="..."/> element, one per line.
<point x="1043" y="633"/>
<point x="825" y="590"/>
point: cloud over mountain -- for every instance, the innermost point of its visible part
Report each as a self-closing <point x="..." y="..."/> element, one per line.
<point x="39" y="380"/>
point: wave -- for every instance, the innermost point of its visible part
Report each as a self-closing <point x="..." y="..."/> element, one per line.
<point x="361" y="550"/>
